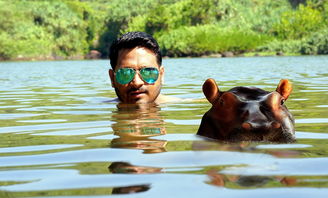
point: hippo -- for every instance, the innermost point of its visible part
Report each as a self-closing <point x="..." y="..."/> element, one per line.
<point x="248" y="114"/>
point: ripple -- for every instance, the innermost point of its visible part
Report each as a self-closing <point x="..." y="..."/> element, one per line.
<point x="87" y="131"/>
<point x="299" y="99"/>
<point x="70" y="150"/>
<point x="315" y="90"/>
<point x="283" y="146"/>
<point x="287" y="167"/>
<point x="103" y="137"/>
<point x="17" y="115"/>
<point x="322" y="106"/>
<point x="311" y="120"/>
<point x="310" y="135"/>
<point x="178" y="137"/>
<point x="183" y="122"/>
<point x="12" y="106"/>
<point x="165" y="159"/>
<point x="42" y="121"/>
<point x="37" y="148"/>
<point x="81" y="112"/>
<point x="180" y="185"/>
<point x="54" y="126"/>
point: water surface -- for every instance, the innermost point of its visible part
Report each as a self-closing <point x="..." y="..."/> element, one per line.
<point x="60" y="138"/>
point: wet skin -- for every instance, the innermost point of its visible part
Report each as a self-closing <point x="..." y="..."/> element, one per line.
<point x="137" y="91"/>
<point x="248" y="114"/>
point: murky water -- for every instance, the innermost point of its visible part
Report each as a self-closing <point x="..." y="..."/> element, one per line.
<point x="59" y="138"/>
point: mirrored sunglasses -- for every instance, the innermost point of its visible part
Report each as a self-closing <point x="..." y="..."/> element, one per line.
<point x="126" y="75"/>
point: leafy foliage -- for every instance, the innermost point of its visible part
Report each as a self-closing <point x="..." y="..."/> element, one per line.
<point x="41" y="29"/>
<point x="297" y="24"/>
<point x="317" y="43"/>
<point x="207" y="39"/>
<point x="70" y="28"/>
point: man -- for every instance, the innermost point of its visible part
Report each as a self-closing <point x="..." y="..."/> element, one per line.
<point x="137" y="73"/>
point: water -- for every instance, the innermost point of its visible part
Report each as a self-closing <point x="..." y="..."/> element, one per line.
<point x="60" y="138"/>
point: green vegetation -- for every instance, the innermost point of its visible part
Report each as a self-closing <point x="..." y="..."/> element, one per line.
<point x="63" y="29"/>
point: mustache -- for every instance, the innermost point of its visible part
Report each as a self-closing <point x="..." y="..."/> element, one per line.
<point x="141" y="89"/>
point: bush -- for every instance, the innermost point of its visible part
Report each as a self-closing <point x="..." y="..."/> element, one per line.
<point x="207" y="39"/>
<point x="297" y="24"/>
<point x="66" y="28"/>
<point x="317" y="43"/>
<point x="286" y="46"/>
<point x="41" y="29"/>
<point x="119" y="14"/>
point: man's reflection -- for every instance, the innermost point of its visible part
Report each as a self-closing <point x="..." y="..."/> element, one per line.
<point x="131" y="189"/>
<point x="127" y="168"/>
<point x="135" y="124"/>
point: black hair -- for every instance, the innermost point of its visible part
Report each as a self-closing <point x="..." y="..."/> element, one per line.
<point x="131" y="40"/>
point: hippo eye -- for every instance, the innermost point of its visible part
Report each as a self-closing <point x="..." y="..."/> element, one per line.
<point x="282" y="101"/>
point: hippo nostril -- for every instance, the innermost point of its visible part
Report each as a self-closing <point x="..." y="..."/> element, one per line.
<point x="275" y="125"/>
<point x="246" y="126"/>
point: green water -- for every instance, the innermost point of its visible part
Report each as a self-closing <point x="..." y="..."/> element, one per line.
<point x="60" y="137"/>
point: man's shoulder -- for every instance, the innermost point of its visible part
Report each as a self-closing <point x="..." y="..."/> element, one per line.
<point x="167" y="99"/>
<point x="161" y="99"/>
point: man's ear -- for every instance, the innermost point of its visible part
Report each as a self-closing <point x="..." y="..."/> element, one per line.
<point x="112" y="77"/>
<point x="162" y="71"/>
<point x="284" y="88"/>
<point x="211" y="90"/>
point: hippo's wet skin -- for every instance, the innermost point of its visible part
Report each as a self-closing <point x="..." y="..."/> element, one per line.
<point x="248" y="113"/>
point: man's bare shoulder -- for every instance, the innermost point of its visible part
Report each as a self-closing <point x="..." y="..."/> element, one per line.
<point x="170" y="99"/>
<point x="161" y="99"/>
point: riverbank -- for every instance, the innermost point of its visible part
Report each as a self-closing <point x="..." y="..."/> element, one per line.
<point x="214" y="55"/>
<point x="39" y="30"/>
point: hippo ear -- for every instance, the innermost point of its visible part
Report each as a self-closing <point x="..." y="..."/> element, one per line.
<point x="284" y="88"/>
<point x="211" y="90"/>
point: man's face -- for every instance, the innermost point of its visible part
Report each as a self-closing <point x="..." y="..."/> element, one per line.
<point x="137" y="91"/>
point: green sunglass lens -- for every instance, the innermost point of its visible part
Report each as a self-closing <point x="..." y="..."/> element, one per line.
<point x="125" y="75"/>
<point x="149" y="74"/>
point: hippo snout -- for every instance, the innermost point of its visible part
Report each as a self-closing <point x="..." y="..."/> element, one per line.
<point x="266" y="126"/>
<point x="270" y="131"/>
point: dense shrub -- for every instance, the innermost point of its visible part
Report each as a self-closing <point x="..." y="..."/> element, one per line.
<point x="42" y="29"/>
<point x="120" y="14"/>
<point x="206" y="39"/>
<point x="66" y="28"/>
<point x="317" y="43"/>
<point x="290" y="47"/>
<point x="297" y="24"/>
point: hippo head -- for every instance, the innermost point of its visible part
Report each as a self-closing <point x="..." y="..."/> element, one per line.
<point x="248" y="114"/>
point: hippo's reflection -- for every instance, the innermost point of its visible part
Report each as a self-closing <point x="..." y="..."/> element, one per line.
<point x="135" y="124"/>
<point x="127" y="168"/>
<point x="248" y="181"/>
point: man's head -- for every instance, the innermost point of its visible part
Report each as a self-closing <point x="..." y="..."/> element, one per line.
<point x="137" y="70"/>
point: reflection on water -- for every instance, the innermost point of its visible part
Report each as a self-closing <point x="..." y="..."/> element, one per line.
<point x="127" y="168"/>
<point x="60" y="138"/>
<point x="248" y="181"/>
<point x="134" y="124"/>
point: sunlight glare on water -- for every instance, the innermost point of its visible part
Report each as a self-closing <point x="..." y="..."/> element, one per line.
<point x="60" y="137"/>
